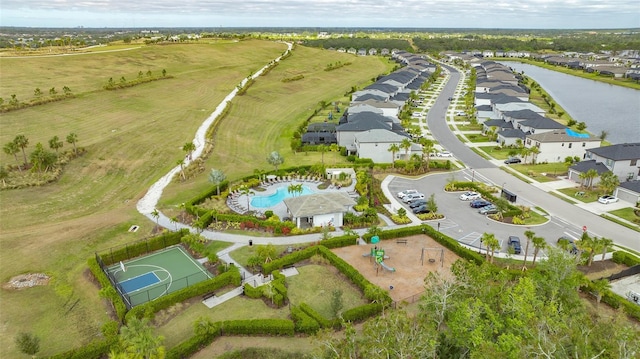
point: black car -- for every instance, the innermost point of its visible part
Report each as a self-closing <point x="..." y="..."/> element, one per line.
<point x="417" y="203"/>
<point x="514" y="242"/>
<point x="512" y="160"/>
<point x="479" y="203"/>
<point x="421" y="210"/>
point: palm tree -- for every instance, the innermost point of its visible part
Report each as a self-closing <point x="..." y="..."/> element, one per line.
<point x="12" y="148"/>
<point x="55" y="143"/>
<point x="394" y="148"/>
<point x="322" y="149"/>
<point x="525" y="152"/>
<point x="490" y="240"/>
<point x="189" y="147"/>
<point x="427" y="148"/>
<point x="590" y="175"/>
<point x="295" y="189"/>
<point x="174" y="220"/>
<point x="529" y="234"/>
<point x="216" y="177"/>
<point x="180" y="163"/>
<point x="72" y="138"/>
<point x="22" y="142"/>
<point x="600" y="286"/>
<point x="406" y="146"/>
<point x="538" y="244"/>
<point x="606" y="245"/>
<point x="608" y="182"/>
<point x="535" y="151"/>
<point x="155" y="214"/>
<point x="245" y="190"/>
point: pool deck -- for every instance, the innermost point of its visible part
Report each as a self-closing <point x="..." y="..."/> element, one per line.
<point x="239" y="203"/>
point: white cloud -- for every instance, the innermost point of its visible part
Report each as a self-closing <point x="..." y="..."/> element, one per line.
<point x="344" y="13"/>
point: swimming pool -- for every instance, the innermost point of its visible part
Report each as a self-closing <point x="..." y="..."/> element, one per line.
<point x="275" y="198"/>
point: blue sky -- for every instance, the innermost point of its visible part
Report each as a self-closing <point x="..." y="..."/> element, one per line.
<point x="522" y="14"/>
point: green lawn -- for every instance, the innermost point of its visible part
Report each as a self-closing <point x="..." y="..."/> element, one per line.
<point x="470" y="127"/>
<point x="497" y="152"/>
<point x="134" y="136"/>
<point x="477" y="137"/>
<point x="581" y="194"/>
<point x="626" y="213"/>
<point x="315" y="284"/>
<point x="242" y="254"/>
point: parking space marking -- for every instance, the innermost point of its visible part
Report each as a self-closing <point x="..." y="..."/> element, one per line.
<point x="471" y="238"/>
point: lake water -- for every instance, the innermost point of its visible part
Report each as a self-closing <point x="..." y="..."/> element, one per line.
<point x="601" y="106"/>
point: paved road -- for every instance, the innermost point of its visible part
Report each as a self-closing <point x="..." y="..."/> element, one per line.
<point x="565" y="216"/>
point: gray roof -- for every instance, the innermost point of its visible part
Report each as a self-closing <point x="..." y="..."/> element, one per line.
<point x="319" y="203"/>
<point x="484" y="108"/>
<point x="560" y="136"/>
<point x="623" y="151"/>
<point x="543" y="123"/>
<point x="369" y="96"/>
<point x="497" y="123"/>
<point x="379" y="135"/>
<point x="363" y="125"/>
<point x="631" y="186"/>
<point x="512" y="133"/>
<point x="584" y="166"/>
<point x="525" y="114"/>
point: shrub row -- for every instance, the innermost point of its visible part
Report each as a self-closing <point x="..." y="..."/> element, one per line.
<point x="94" y="350"/>
<point x="276" y="327"/>
<point x="341" y="241"/>
<point x="142" y="247"/>
<point x="289" y="259"/>
<point x="231" y="277"/>
<point x="324" y="322"/>
<point x="107" y="289"/>
<point x="303" y="322"/>
<point x="625" y="258"/>
<point x="362" y="312"/>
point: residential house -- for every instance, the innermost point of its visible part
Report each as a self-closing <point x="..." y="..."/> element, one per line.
<point x="628" y="191"/>
<point x="555" y="146"/>
<point x="621" y="159"/>
<point x="319" y="210"/>
<point x="375" y="144"/>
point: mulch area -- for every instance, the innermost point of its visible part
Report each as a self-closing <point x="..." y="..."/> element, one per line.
<point x="408" y="279"/>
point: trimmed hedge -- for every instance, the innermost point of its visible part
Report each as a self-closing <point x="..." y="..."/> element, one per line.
<point x="116" y="300"/>
<point x="231" y="277"/>
<point x="342" y="241"/>
<point x="625" y="258"/>
<point x="142" y="247"/>
<point x="324" y="322"/>
<point x="276" y="327"/>
<point x="289" y="259"/>
<point x="252" y="292"/>
<point x="94" y="350"/>
<point x="362" y="312"/>
<point x="304" y="323"/>
<point x="194" y="344"/>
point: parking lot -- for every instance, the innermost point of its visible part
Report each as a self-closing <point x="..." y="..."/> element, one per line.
<point x="465" y="224"/>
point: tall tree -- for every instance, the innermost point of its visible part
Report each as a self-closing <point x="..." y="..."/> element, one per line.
<point x="590" y="175"/>
<point x="538" y="244"/>
<point x="72" y="139"/>
<point x="180" y="163"/>
<point x="406" y="146"/>
<point x="529" y="234"/>
<point x="607" y="244"/>
<point x="216" y="177"/>
<point x="492" y="243"/>
<point x="55" y="143"/>
<point x="275" y="159"/>
<point x="156" y="215"/>
<point x="138" y="340"/>
<point x="42" y="159"/>
<point x="394" y="148"/>
<point x="245" y="190"/>
<point x="600" y="287"/>
<point x="22" y="142"/>
<point x="427" y="148"/>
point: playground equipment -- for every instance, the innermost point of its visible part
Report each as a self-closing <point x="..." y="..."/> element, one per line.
<point x="432" y="258"/>
<point x="378" y="255"/>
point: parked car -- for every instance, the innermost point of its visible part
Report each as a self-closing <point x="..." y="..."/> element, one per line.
<point x="470" y="196"/>
<point x="421" y="210"/>
<point x="412" y="197"/>
<point x="445" y="154"/>
<point x="417" y="203"/>
<point x="608" y="199"/>
<point x="514" y="242"/>
<point x="460" y="113"/>
<point x="406" y="192"/>
<point x="490" y="209"/>
<point x="573" y="249"/>
<point x="511" y="160"/>
<point x="479" y="203"/>
<point x="450" y="98"/>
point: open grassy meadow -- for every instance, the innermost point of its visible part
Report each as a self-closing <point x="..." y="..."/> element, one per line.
<point x="132" y="137"/>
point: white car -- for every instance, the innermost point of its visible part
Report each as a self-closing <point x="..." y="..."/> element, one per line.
<point x="607" y="199"/>
<point x="406" y="192"/>
<point x="445" y="154"/>
<point x="412" y="197"/>
<point x="470" y="196"/>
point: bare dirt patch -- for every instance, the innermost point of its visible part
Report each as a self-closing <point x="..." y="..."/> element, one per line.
<point x="601" y="269"/>
<point x="27" y="281"/>
<point x="408" y="279"/>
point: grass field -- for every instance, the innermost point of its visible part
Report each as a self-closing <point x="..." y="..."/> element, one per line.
<point x="133" y="137"/>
